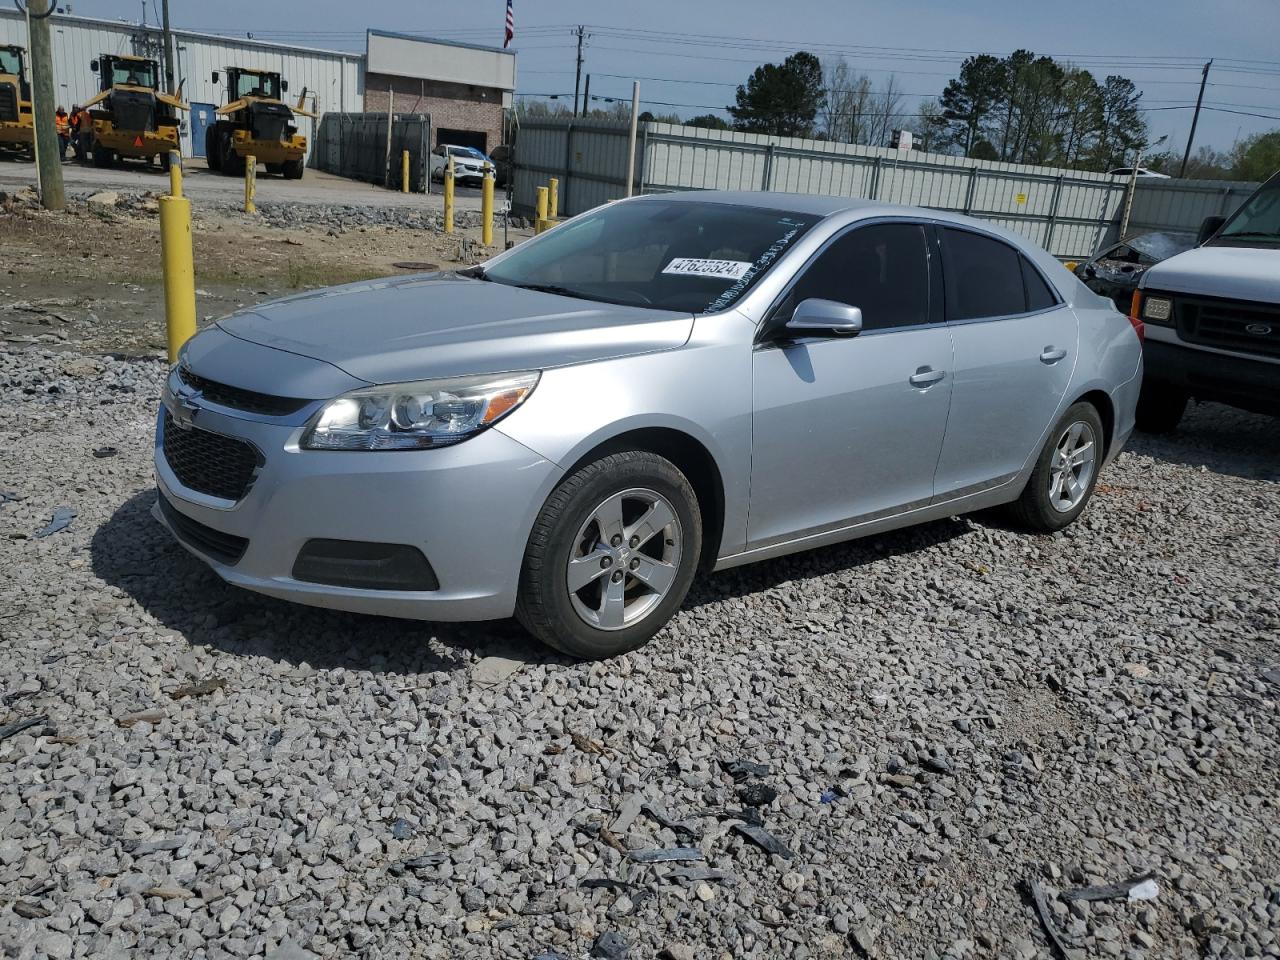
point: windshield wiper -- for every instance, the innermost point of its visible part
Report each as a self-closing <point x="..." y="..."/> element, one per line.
<point x="474" y="273"/>
<point x="556" y="289"/>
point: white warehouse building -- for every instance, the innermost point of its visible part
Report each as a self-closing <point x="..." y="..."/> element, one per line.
<point x="334" y="80"/>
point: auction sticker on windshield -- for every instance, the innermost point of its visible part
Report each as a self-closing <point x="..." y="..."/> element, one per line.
<point x="692" y="267"/>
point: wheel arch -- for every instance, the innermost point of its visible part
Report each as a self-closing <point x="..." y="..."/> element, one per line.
<point x="691" y="457"/>
<point x="1101" y="401"/>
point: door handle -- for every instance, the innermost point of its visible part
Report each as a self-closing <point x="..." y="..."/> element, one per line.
<point x="1052" y="354"/>
<point x="926" y="377"/>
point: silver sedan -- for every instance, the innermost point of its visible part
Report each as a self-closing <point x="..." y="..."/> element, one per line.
<point x="660" y="385"/>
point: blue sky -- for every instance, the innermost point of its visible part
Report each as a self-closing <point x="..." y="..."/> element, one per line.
<point x="1160" y="44"/>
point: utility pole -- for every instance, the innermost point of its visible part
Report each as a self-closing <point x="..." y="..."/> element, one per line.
<point x="1195" y="117"/>
<point x="577" y="76"/>
<point x="48" y="156"/>
<point x="586" y="97"/>
<point x="168" y="49"/>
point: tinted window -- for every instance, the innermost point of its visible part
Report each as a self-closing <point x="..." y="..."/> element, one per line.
<point x="1039" y="296"/>
<point x="881" y="269"/>
<point x="983" y="277"/>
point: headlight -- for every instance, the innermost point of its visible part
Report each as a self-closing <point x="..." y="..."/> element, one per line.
<point x="1157" y="308"/>
<point x="419" y="415"/>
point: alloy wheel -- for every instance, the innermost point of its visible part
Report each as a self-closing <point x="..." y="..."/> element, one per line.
<point x="1071" y="467"/>
<point x="624" y="559"/>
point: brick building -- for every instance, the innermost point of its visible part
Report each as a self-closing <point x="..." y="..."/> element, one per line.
<point x="464" y="87"/>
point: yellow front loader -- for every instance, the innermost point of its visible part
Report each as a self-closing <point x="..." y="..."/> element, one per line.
<point x="256" y="123"/>
<point x="17" y="123"/>
<point x="131" y="116"/>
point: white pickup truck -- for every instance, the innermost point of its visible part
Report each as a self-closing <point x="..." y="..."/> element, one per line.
<point x="1212" y="317"/>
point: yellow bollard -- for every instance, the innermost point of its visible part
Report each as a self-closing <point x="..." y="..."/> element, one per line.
<point x="404" y="171"/>
<point x="448" y="196"/>
<point x="486" y="208"/>
<point x="250" y="183"/>
<point x="175" y="173"/>
<point x="541" y="219"/>
<point x="178" y="264"/>
<point x="553" y="199"/>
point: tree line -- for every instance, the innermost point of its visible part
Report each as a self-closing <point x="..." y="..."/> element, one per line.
<point x="1021" y="108"/>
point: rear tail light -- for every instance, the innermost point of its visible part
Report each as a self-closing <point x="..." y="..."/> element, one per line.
<point x="1135" y="316"/>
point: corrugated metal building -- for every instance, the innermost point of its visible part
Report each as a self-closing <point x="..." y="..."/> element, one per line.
<point x="479" y="79"/>
<point x="334" y="80"/>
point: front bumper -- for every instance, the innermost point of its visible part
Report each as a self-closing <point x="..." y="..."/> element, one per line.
<point x="1208" y="375"/>
<point x="469" y="508"/>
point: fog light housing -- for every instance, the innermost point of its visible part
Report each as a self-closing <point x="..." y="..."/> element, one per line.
<point x="361" y="565"/>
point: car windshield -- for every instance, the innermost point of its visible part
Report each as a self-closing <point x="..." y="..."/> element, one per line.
<point x="668" y="254"/>
<point x="1257" y="222"/>
<point x="471" y="153"/>
<point x="10" y="62"/>
<point x="257" y="85"/>
<point x="136" y="73"/>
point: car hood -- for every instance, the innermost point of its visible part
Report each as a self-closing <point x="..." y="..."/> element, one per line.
<point x="442" y="325"/>
<point x="1241" y="273"/>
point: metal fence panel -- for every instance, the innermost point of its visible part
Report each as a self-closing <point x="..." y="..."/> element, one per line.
<point x="355" y="145"/>
<point x="1068" y="212"/>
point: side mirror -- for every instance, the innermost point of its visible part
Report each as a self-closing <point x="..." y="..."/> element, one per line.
<point x="1208" y="228"/>
<point x="816" y="317"/>
<point x="284" y="86"/>
<point x="93" y="65"/>
<point x="216" y="76"/>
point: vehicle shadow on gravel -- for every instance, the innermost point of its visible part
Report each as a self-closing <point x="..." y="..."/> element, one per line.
<point x="134" y="553"/>
<point x="1220" y="439"/>
<point x="824" y="561"/>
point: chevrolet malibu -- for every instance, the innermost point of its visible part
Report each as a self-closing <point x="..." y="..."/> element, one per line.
<point x="661" y="385"/>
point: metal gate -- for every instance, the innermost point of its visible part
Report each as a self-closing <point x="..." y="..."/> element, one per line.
<point x="356" y="145"/>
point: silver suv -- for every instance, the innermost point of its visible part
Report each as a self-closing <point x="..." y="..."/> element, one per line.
<point x="666" y="383"/>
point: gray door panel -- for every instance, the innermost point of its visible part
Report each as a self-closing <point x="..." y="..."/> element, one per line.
<point x="840" y="431"/>
<point x="1010" y="377"/>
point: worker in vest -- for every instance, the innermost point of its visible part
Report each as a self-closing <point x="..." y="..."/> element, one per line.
<point x="63" y="124"/>
<point x="84" y="134"/>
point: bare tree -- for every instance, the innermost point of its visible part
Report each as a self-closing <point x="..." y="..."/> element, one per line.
<point x="847" y="107"/>
<point x="886" y="112"/>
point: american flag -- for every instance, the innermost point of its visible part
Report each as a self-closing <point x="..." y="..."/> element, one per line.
<point x="511" y="26"/>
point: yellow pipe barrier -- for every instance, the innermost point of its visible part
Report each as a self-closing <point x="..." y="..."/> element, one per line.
<point x="404" y="171"/>
<point x="177" y="261"/>
<point x="175" y="173"/>
<point x="553" y="199"/>
<point x="448" y="196"/>
<point x="250" y="183"/>
<point x="486" y="208"/>
<point x="541" y="219"/>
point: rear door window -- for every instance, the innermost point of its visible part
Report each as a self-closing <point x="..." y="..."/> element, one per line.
<point x="983" y="276"/>
<point x="1039" y="296"/>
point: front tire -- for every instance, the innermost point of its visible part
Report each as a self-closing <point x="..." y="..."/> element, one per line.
<point x="1065" y="473"/>
<point x="292" y="169"/>
<point x="213" y="149"/>
<point x="1160" y="408"/>
<point x="611" y="556"/>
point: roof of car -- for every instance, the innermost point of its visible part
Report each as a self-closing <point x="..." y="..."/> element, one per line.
<point x="823" y="206"/>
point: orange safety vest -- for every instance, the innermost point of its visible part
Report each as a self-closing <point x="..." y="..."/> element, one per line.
<point x="84" y="124"/>
<point x="63" y="123"/>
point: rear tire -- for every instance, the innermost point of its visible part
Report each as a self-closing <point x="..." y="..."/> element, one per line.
<point x="293" y="169"/>
<point x="232" y="163"/>
<point x="213" y="149"/>
<point x="1065" y="473"/>
<point x="103" y="157"/>
<point x="629" y="528"/>
<point x="1160" y="407"/>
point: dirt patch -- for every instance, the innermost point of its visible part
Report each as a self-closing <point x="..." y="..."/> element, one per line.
<point x="92" y="280"/>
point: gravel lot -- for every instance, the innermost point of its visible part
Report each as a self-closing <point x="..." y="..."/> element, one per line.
<point x="946" y="714"/>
